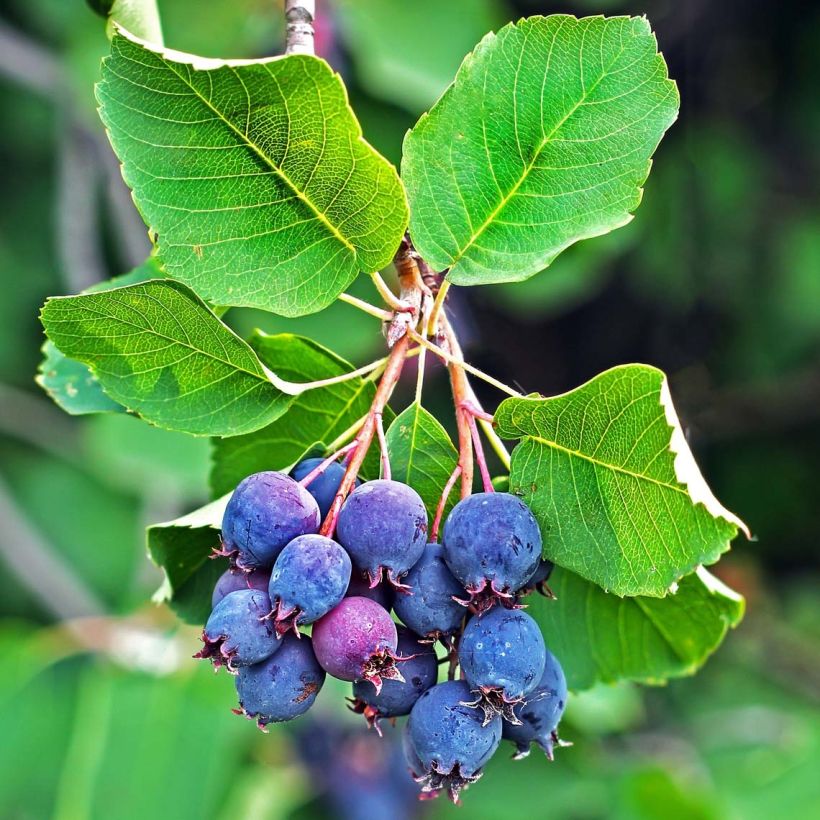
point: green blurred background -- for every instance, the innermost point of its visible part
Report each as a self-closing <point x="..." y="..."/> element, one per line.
<point x="717" y="281"/>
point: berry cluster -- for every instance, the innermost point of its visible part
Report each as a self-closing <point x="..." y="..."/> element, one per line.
<point x="462" y="594"/>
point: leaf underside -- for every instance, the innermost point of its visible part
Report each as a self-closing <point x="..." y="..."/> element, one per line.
<point x="254" y="176"/>
<point x="600" y="638"/>
<point x="609" y="476"/>
<point x="157" y="349"/>
<point x="318" y="415"/>
<point x="544" y="138"/>
<point x="421" y="455"/>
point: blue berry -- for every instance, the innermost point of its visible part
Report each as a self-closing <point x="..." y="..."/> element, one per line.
<point x="431" y="609"/>
<point x="282" y="687"/>
<point x="359" y="587"/>
<point x="420" y="672"/>
<point x="309" y="578"/>
<point x="237" y="633"/>
<point x="492" y="545"/>
<point x="538" y="581"/>
<point x="383" y="525"/>
<point x="233" y="580"/>
<point x="450" y="742"/>
<point x="266" y="511"/>
<point x="502" y="656"/>
<point x="540" y="713"/>
<point x="325" y="486"/>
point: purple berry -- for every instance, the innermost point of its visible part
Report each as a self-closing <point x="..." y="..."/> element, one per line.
<point x="325" y="486"/>
<point x="502" y="657"/>
<point x="266" y="512"/>
<point x="383" y="525"/>
<point x="383" y="594"/>
<point x="538" y="581"/>
<point x="309" y="578"/>
<point x="431" y="608"/>
<point x="450" y="741"/>
<point x="282" y="687"/>
<point x="492" y="545"/>
<point x="540" y="713"/>
<point x="396" y="698"/>
<point x="232" y="580"/>
<point x="357" y="641"/>
<point x="237" y="633"/>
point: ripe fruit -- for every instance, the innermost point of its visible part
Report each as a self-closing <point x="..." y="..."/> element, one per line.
<point x="237" y="633"/>
<point x="325" y="486"/>
<point x="430" y="608"/>
<point x="282" y="687"/>
<point x="492" y="545"/>
<point x="383" y="594"/>
<point x="266" y="511"/>
<point x="233" y="580"/>
<point x="383" y="525"/>
<point x="357" y="641"/>
<point x="450" y="741"/>
<point x="309" y="578"/>
<point x="396" y="698"/>
<point x="540" y="713"/>
<point x="502" y="656"/>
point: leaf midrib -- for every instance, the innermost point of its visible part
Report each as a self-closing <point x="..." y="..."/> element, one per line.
<point x="303" y="197"/>
<point x="528" y="168"/>
<point x="151" y="331"/>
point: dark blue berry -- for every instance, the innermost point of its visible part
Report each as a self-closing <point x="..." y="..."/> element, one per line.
<point x="431" y="609"/>
<point x="325" y="486"/>
<point x="359" y="587"/>
<point x="282" y="687"/>
<point x="309" y="578"/>
<point x="383" y="525"/>
<point x="266" y="511"/>
<point x="540" y="713"/>
<point x="492" y="545"/>
<point x="450" y="741"/>
<point x="420" y="672"/>
<point x="233" y="580"/>
<point x="237" y="632"/>
<point x="539" y="579"/>
<point x="502" y="656"/>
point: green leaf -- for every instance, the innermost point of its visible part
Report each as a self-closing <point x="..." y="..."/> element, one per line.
<point x="70" y="383"/>
<point x="182" y="549"/>
<point x="608" y="473"/>
<point x="600" y="638"/>
<point x="255" y="176"/>
<point x="159" y="350"/>
<point x="544" y="138"/>
<point x="421" y="454"/>
<point x="318" y="415"/>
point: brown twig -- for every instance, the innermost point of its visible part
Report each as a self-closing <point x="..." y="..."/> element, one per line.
<point x="299" y="34"/>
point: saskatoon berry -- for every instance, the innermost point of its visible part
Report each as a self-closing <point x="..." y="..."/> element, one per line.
<point x="502" y="656"/>
<point x="309" y="578"/>
<point x="540" y="713"/>
<point x="396" y="698"/>
<point x="237" y="633"/>
<point x="431" y="609"/>
<point x="539" y="579"/>
<point x="492" y="545"/>
<point x="325" y="486"/>
<point x="383" y="525"/>
<point x="357" y="641"/>
<point x="382" y="593"/>
<point x="233" y="580"/>
<point x="266" y="511"/>
<point x="450" y="741"/>
<point x="282" y="687"/>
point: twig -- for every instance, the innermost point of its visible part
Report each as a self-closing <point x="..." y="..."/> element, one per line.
<point x="365" y="435"/>
<point x="479" y="454"/>
<point x="379" y="313"/>
<point x="299" y="17"/>
<point x="413" y="292"/>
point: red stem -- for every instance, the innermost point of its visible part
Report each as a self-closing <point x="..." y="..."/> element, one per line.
<point x="320" y="468"/>
<point x="365" y="435"/>
<point x="479" y="455"/>
<point x="445" y="494"/>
